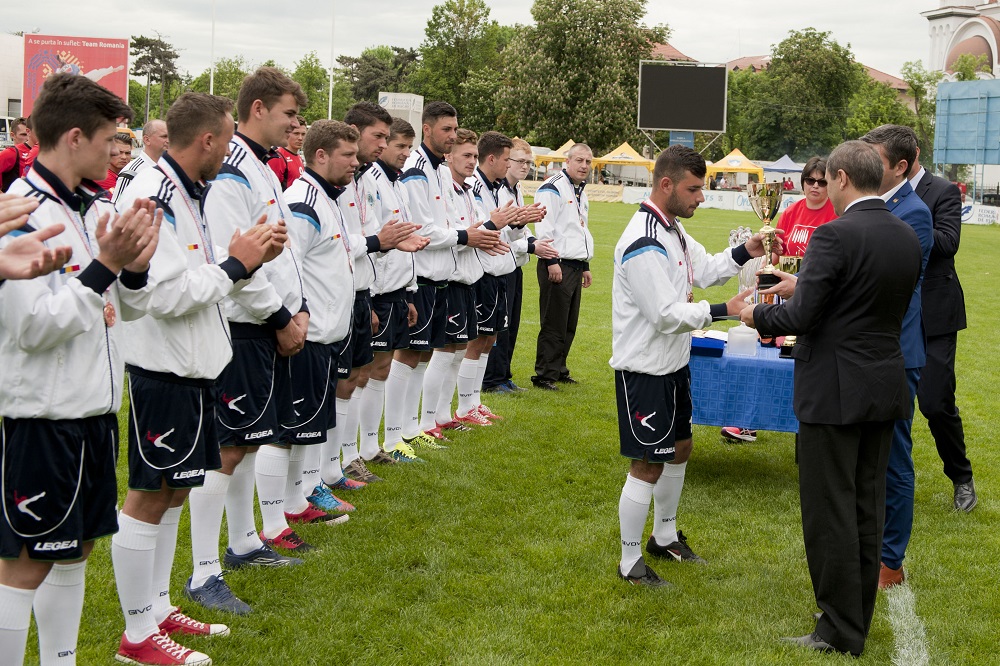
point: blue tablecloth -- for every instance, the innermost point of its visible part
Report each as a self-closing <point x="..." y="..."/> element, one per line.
<point x="744" y="391"/>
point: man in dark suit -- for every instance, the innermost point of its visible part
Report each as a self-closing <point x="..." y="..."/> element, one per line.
<point x="897" y="147"/>
<point x="850" y="387"/>
<point x="943" y="306"/>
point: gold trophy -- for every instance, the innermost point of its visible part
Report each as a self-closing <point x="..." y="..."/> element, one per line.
<point x="765" y="199"/>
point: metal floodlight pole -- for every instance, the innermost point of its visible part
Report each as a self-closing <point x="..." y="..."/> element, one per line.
<point x="333" y="33"/>
<point x="211" y="70"/>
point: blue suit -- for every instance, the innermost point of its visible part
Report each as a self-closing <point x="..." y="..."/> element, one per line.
<point x="899" y="487"/>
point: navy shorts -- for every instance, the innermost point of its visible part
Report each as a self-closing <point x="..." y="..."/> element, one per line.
<point x="356" y="348"/>
<point x="314" y="389"/>
<point x="172" y="430"/>
<point x="393" y="329"/>
<point x="461" y="324"/>
<point x="491" y="304"/>
<point x="431" y="304"/>
<point x="59" y="485"/>
<point x="254" y="391"/>
<point x="654" y="412"/>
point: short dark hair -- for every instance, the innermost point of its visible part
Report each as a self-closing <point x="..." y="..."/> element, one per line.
<point x="464" y="136"/>
<point x="301" y="120"/>
<point x="268" y="84"/>
<point x="860" y="162"/>
<point x="193" y="114"/>
<point x="365" y="114"/>
<point x="327" y="135"/>
<point x="493" y="143"/>
<point x="814" y="164"/>
<point x="401" y="128"/>
<point x="69" y="101"/>
<point x="14" y="124"/>
<point x="122" y="137"/>
<point x="437" y="110"/>
<point x="898" y="141"/>
<point x="676" y="161"/>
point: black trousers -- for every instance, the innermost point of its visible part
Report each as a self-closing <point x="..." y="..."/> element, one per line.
<point x="498" y="367"/>
<point x="842" y="492"/>
<point x="559" y="310"/>
<point x="936" y="397"/>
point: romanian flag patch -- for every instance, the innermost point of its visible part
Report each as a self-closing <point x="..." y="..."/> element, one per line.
<point x="68" y="270"/>
<point x="193" y="247"/>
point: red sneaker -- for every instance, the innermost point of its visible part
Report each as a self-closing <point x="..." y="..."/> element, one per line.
<point x="179" y="623"/>
<point x="473" y="418"/>
<point x="488" y="413"/>
<point x="159" y="650"/>
<point x="287" y="540"/>
<point x="310" y="515"/>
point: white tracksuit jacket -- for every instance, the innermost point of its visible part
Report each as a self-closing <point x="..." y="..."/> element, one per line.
<point x="394" y="269"/>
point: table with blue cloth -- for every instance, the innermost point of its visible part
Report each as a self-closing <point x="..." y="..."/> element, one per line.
<point x="744" y="391"/>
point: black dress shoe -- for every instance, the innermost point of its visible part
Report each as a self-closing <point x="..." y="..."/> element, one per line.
<point x="811" y="641"/>
<point x="566" y="379"/>
<point x="543" y="384"/>
<point x="965" y="496"/>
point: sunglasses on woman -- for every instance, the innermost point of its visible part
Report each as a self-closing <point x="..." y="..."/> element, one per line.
<point x="814" y="181"/>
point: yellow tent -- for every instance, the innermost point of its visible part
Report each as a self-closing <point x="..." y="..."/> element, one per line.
<point x="625" y="155"/>
<point x="735" y="161"/>
<point x="557" y="155"/>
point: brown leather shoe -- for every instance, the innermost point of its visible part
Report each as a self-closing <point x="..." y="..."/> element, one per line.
<point x="890" y="577"/>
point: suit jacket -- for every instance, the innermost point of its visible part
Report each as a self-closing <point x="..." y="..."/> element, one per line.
<point x="908" y="207"/>
<point x="942" y="298"/>
<point x="848" y="311"/>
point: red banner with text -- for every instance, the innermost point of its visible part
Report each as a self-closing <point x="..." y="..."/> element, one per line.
<point x="100" y="59"/>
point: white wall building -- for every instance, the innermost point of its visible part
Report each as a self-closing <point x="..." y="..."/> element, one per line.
<point x="11" y="74"/>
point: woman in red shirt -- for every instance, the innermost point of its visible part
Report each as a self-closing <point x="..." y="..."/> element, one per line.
<point x="798" y="222"/>
<point x="802" y="217"/>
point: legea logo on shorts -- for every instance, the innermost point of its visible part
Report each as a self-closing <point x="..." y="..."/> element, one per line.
<point x="260" y="435"/>
<point x="663" y="451"/>
<point x="189" y="474"/>
<point x="55" y="545"/>
<point x="418" y="342"/>
<point x="303" y="435"/>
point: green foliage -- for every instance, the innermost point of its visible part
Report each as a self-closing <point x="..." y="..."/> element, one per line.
<point x="378" y="69"/>
<point x="923" y="89"/>
<point x="229" y="75"/>
<point x="479" y="98"/>
<point x="315" y="81"/>
<point x="459" y="40"/>
<point x="967" y="66"/>
<point x="156" y="60"/>
<point x="874" y="104"/>
<point x="576" y="72"/>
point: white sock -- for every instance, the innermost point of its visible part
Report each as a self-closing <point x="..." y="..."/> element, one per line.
<point x="271" y="473"/>
<point x="349" y="435"/>
<point x="133" y="549"/>
<point x="243" y="536"/>
<point x="311" y="466"/>
<point x="633" y="507"/>
<point x="411" y="404"/>
<point x="467" y="372"/>
<point x="444" y="413"/>
<point x="163" y="563"/>
<point x="58" y="609"/>
<point x="331" y="469"/>
<point x="666" y="497"/>
<point x="395" y="403"/>
<point x="372" y="402"/>
<point x="480" y="375"/>
<point x="434" y="378"/>
<point x="15" y="617"/>
<point x="295" y="500"/>
<point x="207" y="504"/>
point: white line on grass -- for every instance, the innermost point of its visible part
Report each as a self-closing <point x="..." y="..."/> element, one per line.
<point x="907" y="629"/>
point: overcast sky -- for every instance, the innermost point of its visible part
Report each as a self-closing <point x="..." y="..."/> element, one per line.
<point x="882" y="34"/>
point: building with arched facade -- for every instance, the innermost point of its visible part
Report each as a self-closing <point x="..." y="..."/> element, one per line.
<point x="958" y="28"/>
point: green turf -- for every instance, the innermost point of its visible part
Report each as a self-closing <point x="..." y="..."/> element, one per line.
<point x="502" y="550"/>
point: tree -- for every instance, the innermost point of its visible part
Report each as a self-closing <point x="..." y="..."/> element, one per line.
<point x="155" y="59"/>
<point x="379" y="68"/>
<point x="229" y="75"/>
<point x="874" y="104"/>
<point x="479" y="99"/>
<point x="923" y="89"/>
<point x="459" y="39"/>
<point x="967" y="66"/>
<point x="576" y="72"/>
<point x="315" y="81"/>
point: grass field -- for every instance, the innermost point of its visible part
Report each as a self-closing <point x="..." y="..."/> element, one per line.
<point x="502" y="549"/>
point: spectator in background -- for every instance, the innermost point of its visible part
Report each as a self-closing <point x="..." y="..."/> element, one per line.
<point x="121" y="154"/>
<point x="29" y="159"/>
<point x="287" y="163"/>
<point x="155" y="141"/>
<point x="13" y="157"/>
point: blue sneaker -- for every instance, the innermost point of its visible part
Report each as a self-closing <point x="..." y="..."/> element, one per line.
<point x="499" y="388"/>
<point x="514" y="388"/>
<point x="262" y="557"/>
<point x="323" y="499"/>
<point x="215" y="594"/>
